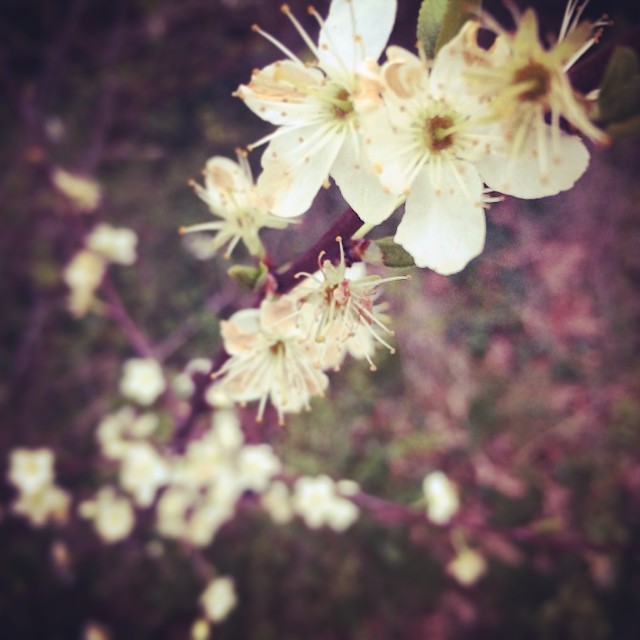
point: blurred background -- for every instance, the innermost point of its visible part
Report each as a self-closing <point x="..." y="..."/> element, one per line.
<point x="519" y="378"/>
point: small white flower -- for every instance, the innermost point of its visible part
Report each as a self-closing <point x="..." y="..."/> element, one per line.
<point x="232" y="197"/>
<point x="317" y="502"/>
<point x="257" y="464"/>
<point x="142" y="380"/>
<point x="277" y="502"/>
<point x="31" y="470"/>
<point x="143" y="471"/>
<point x="113" y="516"/>
<point x="441" y="496"/>
<point x="426" y="141"/>
<point x="467" y="567"/>
<point x="172" y="511"/>
<point x="50" y="503"/>
<point x="318" y="134"/>
<point x="527" y="89"/>
<point x="219" y="599"/>
<point x="83" y="275"/>
<point x="339" y="312"/>
<point x="84" y="192"/>
<point x="115" y="244"/>
<point x="270" y="359"/>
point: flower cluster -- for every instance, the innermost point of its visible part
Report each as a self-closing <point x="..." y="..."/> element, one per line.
<point x="279" y="352"/>
<point x="445" y="137"/>
<point x="84" y="273"/>
<point x="39" y="499"/>
<point x="430" y="133"/>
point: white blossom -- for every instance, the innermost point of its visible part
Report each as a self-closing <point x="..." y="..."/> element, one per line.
<point x="318" y="134"/>
<point x="219" y="599"/>
<point x="232" y="198"/>
<point x="112" y="515"/>
<point x="270" y="359"/>
<point x="142" y="380"/>
<point x="83" y="275"/>
<point x="441" y="496"/>
<point x="317" y="501"/>
<point x="31" y="470"/>
<point x="467" y="567"/>
<point x="115" y="244"/>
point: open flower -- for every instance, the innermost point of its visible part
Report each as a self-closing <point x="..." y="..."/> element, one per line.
<point x="525" y="85"/>
<point x="426" y="141"/>
<point x="232" y="197"/>
<point x="270" y="359"/>
<point x="318" y="134"/>
<point x="339" y="311"/>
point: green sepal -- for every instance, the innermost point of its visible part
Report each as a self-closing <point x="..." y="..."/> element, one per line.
<point x="248" y="276"/>
<point x="393" y="255"/>
<point x="439" y="21"/>
<point x="619" y="99"/>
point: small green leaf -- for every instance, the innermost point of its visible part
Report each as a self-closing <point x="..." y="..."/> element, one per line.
<point x="250" y="277"/>
<point x="440" y="21"/>
<point x="430" y="18"/>
<point x="393" y="255"/>
<point x="619" y="99"/>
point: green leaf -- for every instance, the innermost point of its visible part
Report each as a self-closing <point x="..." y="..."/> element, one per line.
<point x="250" y="277"/>
<point x="619" y="99"/>
<point x="393" y="255"/>
<point x="430" y="18"/>
<point x="439" y="21"/>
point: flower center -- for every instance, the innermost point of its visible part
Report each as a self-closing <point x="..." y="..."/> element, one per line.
<point x="437" y="134"/>
<point x="536" y="80"/>
<point x="342" y="105"/>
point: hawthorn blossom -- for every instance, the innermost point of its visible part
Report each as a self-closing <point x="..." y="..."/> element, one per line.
<point x="525" y="82"/>
<point x="31" y="470"/>
<point x="112" y="515"/>
<point x="318" y="134"/>
<point x="467" y="567"/>
<point x="232" y="197"/>
<point x="83" y="276"/>
<point x="271" y="359"/>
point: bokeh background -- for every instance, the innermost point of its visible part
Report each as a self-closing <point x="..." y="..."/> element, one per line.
<point x="520" y="377"/>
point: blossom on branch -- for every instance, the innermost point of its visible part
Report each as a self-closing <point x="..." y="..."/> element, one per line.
<point x="241" y="210"/>
<point x="313" y="106"/>
<point x="526" y="86"/>
<point x="271" y="359"/>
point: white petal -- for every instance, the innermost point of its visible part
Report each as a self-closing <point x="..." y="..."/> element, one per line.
<point x="296" y="164"/>
<point x="359" y="183"/>
<point x="354" y="31"/>
<point x="449" y="74"/>
<point x="524" y="175"/>
<point x="444" y="228"/>
<point x="224" y="180"/>
<point x="277" y="93"/>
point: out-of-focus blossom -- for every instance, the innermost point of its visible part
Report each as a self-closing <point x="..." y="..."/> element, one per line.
<point x="241" y="210"/>
<point x="200" y="629"/>
<point x="142" y="380"/>
<point x="183" y="383"/>
<point x="318" y="134"/>
<point x="441" y="497"/>
<point x="31" y="470"/>
<point x="48" y="504"/>
<point x="143" y="472"/>
<point x="219" y="599"/>
<point x="115" y="244"/>
<point x="112" y="515"/>
<point x="83" y="192"/>
<point x="95" y="631"/>
<point x="467" y="567"/>
<point x="83" y="275"/>
<point x="257" y="464"/>
<point x="318" y="503"/>
<point x="276" y="501"/>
